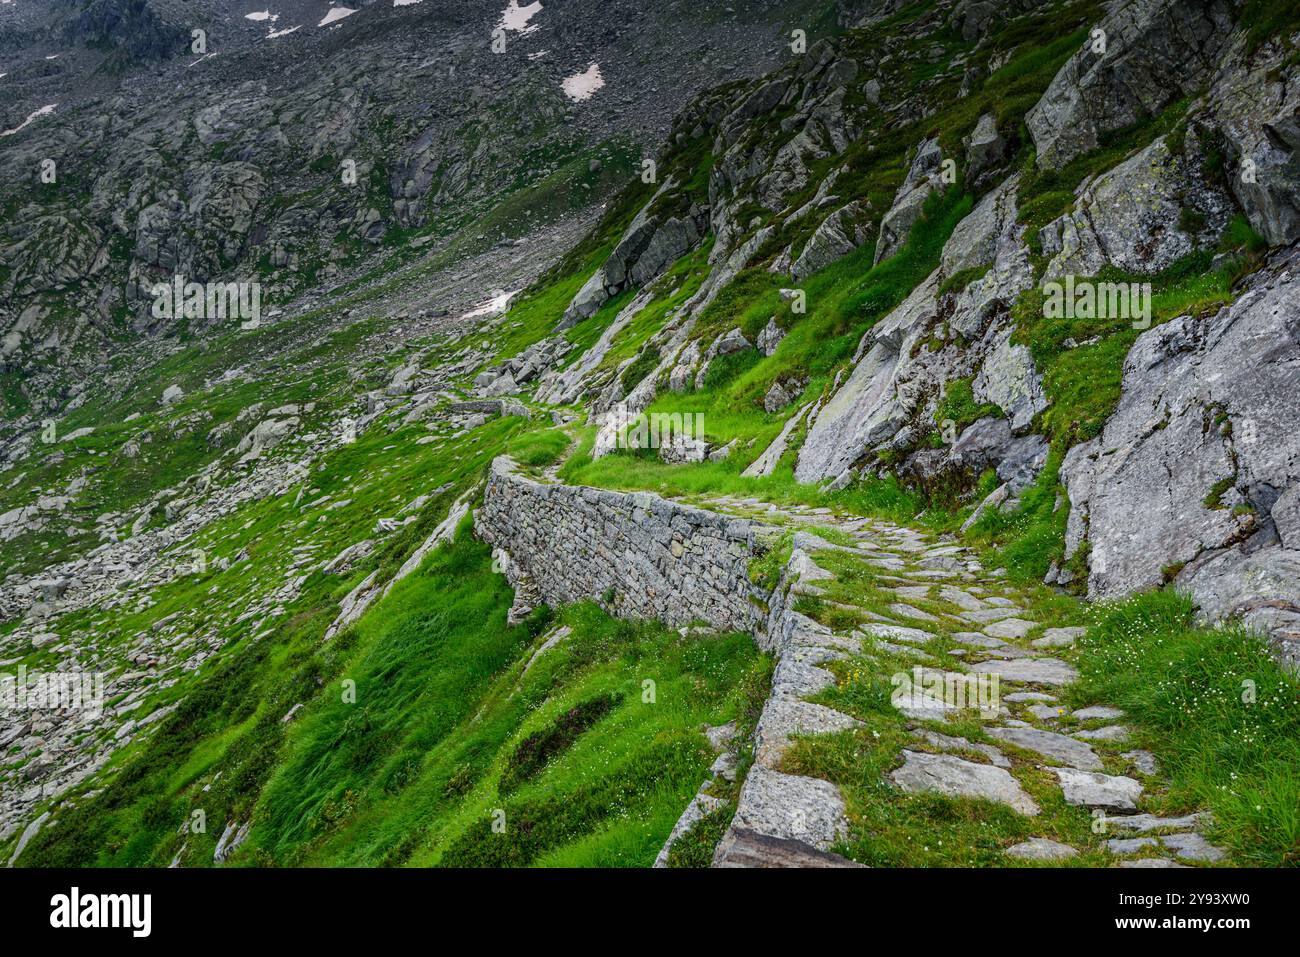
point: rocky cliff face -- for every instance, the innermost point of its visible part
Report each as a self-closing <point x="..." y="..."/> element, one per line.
<point x="1200" y="447"/>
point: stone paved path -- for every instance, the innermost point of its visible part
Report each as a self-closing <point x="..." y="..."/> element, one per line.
<point x="924" y="595"/>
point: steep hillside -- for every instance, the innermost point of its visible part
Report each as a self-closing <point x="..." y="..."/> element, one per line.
<point x="585" y="501"/>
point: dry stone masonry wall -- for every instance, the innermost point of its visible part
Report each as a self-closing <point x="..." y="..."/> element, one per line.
<point x="640" y="555"/>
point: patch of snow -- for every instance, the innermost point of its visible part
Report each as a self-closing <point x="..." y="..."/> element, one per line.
<point x="282" y="33"/>
<point x="335" y="15"/>
<point x="516" y="17"/>
<point x="34" y="115"/>
<point x="262" y="15"/>
<point x="405" y="3"/>
<point x="538" y="55"/>
<point x="583" y="86"/>
<point x="52" y="56"/>
<point x="497" y="304"/>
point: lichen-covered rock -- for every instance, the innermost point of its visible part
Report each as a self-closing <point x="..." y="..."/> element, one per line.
<point x="1140" y="216"/>
<point x="986" y="150"/>
<point x="1203" y="447"/>
<point x="1153" y="52"/>
<point x="923" y="178"/>
<point x="867" y="409"/>
<point x="770" y="337"/>
<point x="1254" y="104"/>
<point x="896" y="380"/>
<point x="1009" y="380"/>
<point x="649" y="246"/>
<point x="839" y="234"/>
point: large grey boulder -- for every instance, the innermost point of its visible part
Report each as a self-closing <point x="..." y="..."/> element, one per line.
<point x="839" y="234"/>
<point x="1156" y="52"/>
<point x="867" y="409"/>
<point x="1255" y="104"/>
<point x="770" y="337"/>
<point x="923" y="178"/>
<point x="896" y="379"/>
<point x="990" y="236"/>
<point x="1009" y="380"/>
<point x="650" y="245"/>
<point x="1203" y="447"/>
<point x="1261" y="587"/>
<point x="951" y="776"/>
<point x="986" y="150"/>
<point x="724" y="345"/>
<point x="265" y="436"/>
<point x="1133" y="217"/>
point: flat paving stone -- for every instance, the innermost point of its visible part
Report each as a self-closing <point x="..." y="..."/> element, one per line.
<point x="1013" y="629"/>
<point x="1057" y="747"/>
<point x="1042" y="671"/>
<point x="905" y="651"/>
<point x="1048" y="712"/>
<point x="1091" y="789"/>
<point x="1142" y="823"/>
<point x="957" y="777"/>
<point x="1017" y="696"/>
<point x="790" y="806"/>
<point x="912" y="592"/>
<point x="977" y="639"/>
<point x="1041" y="849"/>
<point x="1098" y="711"/>
<point x="949" y="742"/>
<point x="1130" y="845"/>
<point x="963" y="600"/>
<point x="987" y="615"/>
<point x="785" y="716"/>
<point x="1007" y="652"/>
<point x="1112" y="732"/>
<point x="1144" y="761"/>
<point x="1193" y="847"/>
<point x="904" y="610"/>
<point x="1059" y="637"/>
<point x="915" y="636"/>
<point x="1151" y="862"/>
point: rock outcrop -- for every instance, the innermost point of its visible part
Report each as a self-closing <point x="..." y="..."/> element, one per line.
<point x="895" y="382"/>
<point x="1203" y="447"/>
<point x="924" y="176"/>
<point x="1141" y="216"/>
<point x="1142" y="56"/>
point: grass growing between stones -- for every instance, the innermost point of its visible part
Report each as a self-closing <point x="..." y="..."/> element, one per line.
<point x="1218" y="712"/>
<point x="888" y="828"/>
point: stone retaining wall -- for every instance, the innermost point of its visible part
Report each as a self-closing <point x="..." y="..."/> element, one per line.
<point x="639" y="555"/>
